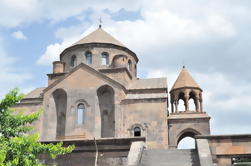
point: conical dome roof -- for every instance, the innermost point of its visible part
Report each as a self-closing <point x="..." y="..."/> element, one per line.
<point x="185" y="80"/>
<point x="99" y="36"/>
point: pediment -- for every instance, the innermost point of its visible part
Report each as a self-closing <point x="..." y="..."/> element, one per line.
<point x="84" y="76"/>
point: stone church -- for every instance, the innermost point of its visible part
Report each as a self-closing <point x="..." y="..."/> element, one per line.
<point x="95" y="101"/>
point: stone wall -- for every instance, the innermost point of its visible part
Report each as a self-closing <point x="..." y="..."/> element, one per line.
<point x="225" y="147"/>
<point x="31" y="106"/>
<point x="111" y="152"/>
<point x="80" y="87"/>
<point x="151" y="116"/>
<point x="190" y="124"/>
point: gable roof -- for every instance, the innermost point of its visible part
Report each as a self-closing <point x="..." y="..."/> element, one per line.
<point x="185" y="80"/>
<point x="82" y="65"/>
<point x="36" y="93"/>
<point x="99" y="36"/>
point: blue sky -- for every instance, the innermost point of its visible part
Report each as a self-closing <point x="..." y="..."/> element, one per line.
<point x="212" y="38"/>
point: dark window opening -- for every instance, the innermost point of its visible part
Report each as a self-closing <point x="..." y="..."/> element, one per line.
<point x="73" y="61"/>
<point x="137" y="132"/>
<point x="129" y="67"/>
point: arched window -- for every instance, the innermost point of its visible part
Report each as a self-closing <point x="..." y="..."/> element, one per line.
<point x="192" y="101"/>
<point x="137" y="132"/>
<point x="88" y="57"/>
<point x="80" y="114"/>
<point x="129" y="67"/>
<point x="181" y="102"/>
<point x="181" y="105"/>
<point x="73" y="61"/>
<point x="105" y="58"/>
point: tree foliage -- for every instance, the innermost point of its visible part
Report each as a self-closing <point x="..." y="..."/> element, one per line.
<point x="17" y="146"/>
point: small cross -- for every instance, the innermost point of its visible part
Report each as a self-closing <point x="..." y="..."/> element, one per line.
<point x="100" y="22"/>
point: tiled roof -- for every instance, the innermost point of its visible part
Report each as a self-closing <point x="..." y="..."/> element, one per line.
<point x="185" y="80"/>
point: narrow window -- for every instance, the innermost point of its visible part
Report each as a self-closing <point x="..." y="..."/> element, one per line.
<point x="129" y="67"/>
<point x="88" y="57"/>
<point x="105" y="58"/>
<point x="135" y="67"/>
<point x="81" y="114"/>
<point x="73" y="61"/>
<point x="137" y="132"/>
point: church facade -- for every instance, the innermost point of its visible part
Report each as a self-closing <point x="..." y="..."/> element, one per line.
<point x="94" y="92"/>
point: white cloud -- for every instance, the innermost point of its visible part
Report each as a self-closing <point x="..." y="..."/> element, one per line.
<point x="18" y="12"/>
<point x="53" y="50"/>
<point x="19" y="35"/>
<point x="68" y="36"/>
<point x="156" y="30"/>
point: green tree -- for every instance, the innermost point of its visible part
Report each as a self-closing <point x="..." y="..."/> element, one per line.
<point x="17" y="147"/>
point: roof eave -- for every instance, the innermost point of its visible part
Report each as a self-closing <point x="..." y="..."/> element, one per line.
<point x="186" y="87"/>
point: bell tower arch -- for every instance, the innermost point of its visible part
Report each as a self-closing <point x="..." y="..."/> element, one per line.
<point x="192" y="120"/>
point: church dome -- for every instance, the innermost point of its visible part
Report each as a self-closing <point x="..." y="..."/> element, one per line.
<point x="99" y="50"/>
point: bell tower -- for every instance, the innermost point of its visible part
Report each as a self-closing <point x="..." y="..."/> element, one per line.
<point x="191" y="120"/>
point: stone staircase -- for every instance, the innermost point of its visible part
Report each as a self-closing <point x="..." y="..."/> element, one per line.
<point x="172" y="157"/>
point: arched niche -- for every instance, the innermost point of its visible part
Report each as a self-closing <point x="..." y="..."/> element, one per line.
<point x="106" y="104"/>
<point x="60" y="99"/>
